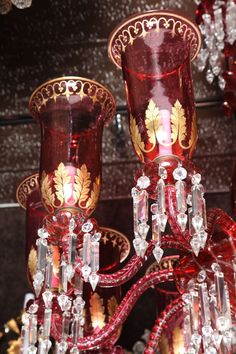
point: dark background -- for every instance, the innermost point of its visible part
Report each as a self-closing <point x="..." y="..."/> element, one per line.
<point x="58" y="37"/>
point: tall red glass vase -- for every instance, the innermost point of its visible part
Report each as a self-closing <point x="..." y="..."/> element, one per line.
<point x="154" y="50"/>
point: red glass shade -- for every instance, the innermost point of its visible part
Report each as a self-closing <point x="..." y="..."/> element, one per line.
<point x="154" y="50"/>
<point x="72" y="112"/>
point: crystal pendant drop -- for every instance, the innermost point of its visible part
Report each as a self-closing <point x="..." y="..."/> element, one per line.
<point x="140" y="246"/>
<point x="86" y="270"/>
<point x="47" y="298"/>
<point x="64" y="302"/>
<point x="93" y="279"/>
<point x="195" y="244"/>
<point x="62" y="347"/>
<point x="182" y="220"/>
<point x="38" y="280"/>
<point x="32" y="350"/>
<point x="158" y="253"/>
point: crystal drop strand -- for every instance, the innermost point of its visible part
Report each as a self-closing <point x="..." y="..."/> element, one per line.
<point x="63" y="275"/>
<point x="78" y="323"/>
<point x="42" y="249"/>
<point x="197" y="215"/>
<point x="140" y="211"/>
<point x="65" y="304"/>
<point x="179" y="175"/>
<point x="159" y="217"/>
<point x="49" y="270"/>
<point x="94" y="277"/>
<point x="187" y="319"/>
<point x="87" y="228"/>
<point x="32" y="328"/>
<point x="72" y="242"/>
<point x="45" y="343"/>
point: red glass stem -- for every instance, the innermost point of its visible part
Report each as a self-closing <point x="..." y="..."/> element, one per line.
<point x="161" y="323"/>
<point x="216" y="216"/>
<point x="122" y="311"/>
<point x="123" y="275"/>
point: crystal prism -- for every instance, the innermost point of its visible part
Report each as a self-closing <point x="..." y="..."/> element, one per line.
<point x="158" y="253"/>
<point x="196" y="341"/>
<point x="47" y="322"/>
<point x="38" y="282"/>
<point x="70" y="272"/>
<point x="195" y="244"/>
<point x="161" y="196"/>
<point x="197" y="222"/>
<point x="143" y="182"/>
<point x="217" y="339"/>
<point x="182" y="221"/>
<point x="41" y="254"/>
<point x="87" y="248"/>
<point x="143" y="230"/>
<point x="140" y="246"/>
<point x="162" y="172"/>
<point x="86" y="270"/>
<point x="79" y="304"/>
<point x="162" y="220"/>
<point x="47" y="298"/>
<point x="64" y="302"/>
<point x="94" y="256"/>
<point x="93" y="279"/>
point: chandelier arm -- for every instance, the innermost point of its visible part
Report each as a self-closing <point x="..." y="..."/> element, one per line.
<point x="160" y="324"/>
<point x="217" y="216"/>
<point x="171" y="212"/>
<point x="123" y="275"/>
<point x="122" y="311"/>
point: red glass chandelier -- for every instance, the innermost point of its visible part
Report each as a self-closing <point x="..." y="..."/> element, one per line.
<point x="154" y="50"/>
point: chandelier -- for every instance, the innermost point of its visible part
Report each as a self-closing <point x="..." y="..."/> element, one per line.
<point x="74" y="265"/>
<point x="6" y="5"/>
<point x="217" y="22"/>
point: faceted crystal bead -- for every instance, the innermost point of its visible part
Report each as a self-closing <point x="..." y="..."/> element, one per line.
<point x="93" y="279"/>
<point x="158" y="253"/>
<point x="191" y="350"/>
<point x="46" y="345"/>
<point x="62" y="347"/>
<point x="222" y="323"/>
<point x="180" y="173"/>
<point x="154" y="208"/>
<point x="215" y="267"/>
<point x="38" y="282"/>
<point x="140" y="246"/>
<point x="182" y="221"/>
<point x="227" y="339"/>
<point x="210" y="350"/>
<point x="201" y="276"/>
<point x="86" y="270"/>
<point x="47" y="298"/>
<point x="74" y="350"/>
<point x="33" y="308"/>
<point x="32" y="350"/>
<point x="79" y="304"/>
<point x="162" y="172"/>
<point x="207" y="331"/>
<point x="162" y="220"/>
<point x="209" y="76"/>
<point x="143" y="230"/>
<point x="143" y="182"/>
<point x="96" y="236"/>
<point x="64" y="302"/>
<point x="196" y="178"/>
<point x="42" y="233"/>
<point x="87" y="227"/>
<point x="197" y="222"/>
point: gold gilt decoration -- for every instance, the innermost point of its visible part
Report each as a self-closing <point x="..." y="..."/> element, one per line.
<point x="136" y="138"/>
<point x="62" y="181"/>
<point x="72" y="190"/>
<point x="112" y="306"/>
<point x="138" y="26"/>
<point x="155" y="130"/>
<point x="68" y="86"/>
<point x="25" y="188"/>
<point x="14" y="346"/>
<point x="32" y="261"/>
<point x="97" y="311"/>
<point x="178" y="124"/>
<point x="82" y="184"/>
<point x="117" y="239"/>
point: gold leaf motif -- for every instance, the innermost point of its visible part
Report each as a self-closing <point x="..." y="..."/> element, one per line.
<point x="92" y="201"/>
<point x="153" y="122"/>
<point x="14" y="346"/>
<point x="112" y="306"/>
<point x="62" y="181"/>
<point x="136" y="138"/>
<point x="46" y="191"/>
<point x="97" y="311"/>
<point x="178" y="123"/>
<point x="32" y="261"/>
<point x="82" y="184"/>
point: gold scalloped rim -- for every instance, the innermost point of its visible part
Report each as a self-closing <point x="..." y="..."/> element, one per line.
<point x="47" y="91"/>
<point x="154" y="267"/>
<point x="25" y="188"/>
<point x="120" y="237"/>
<point x="121" y="35"/>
